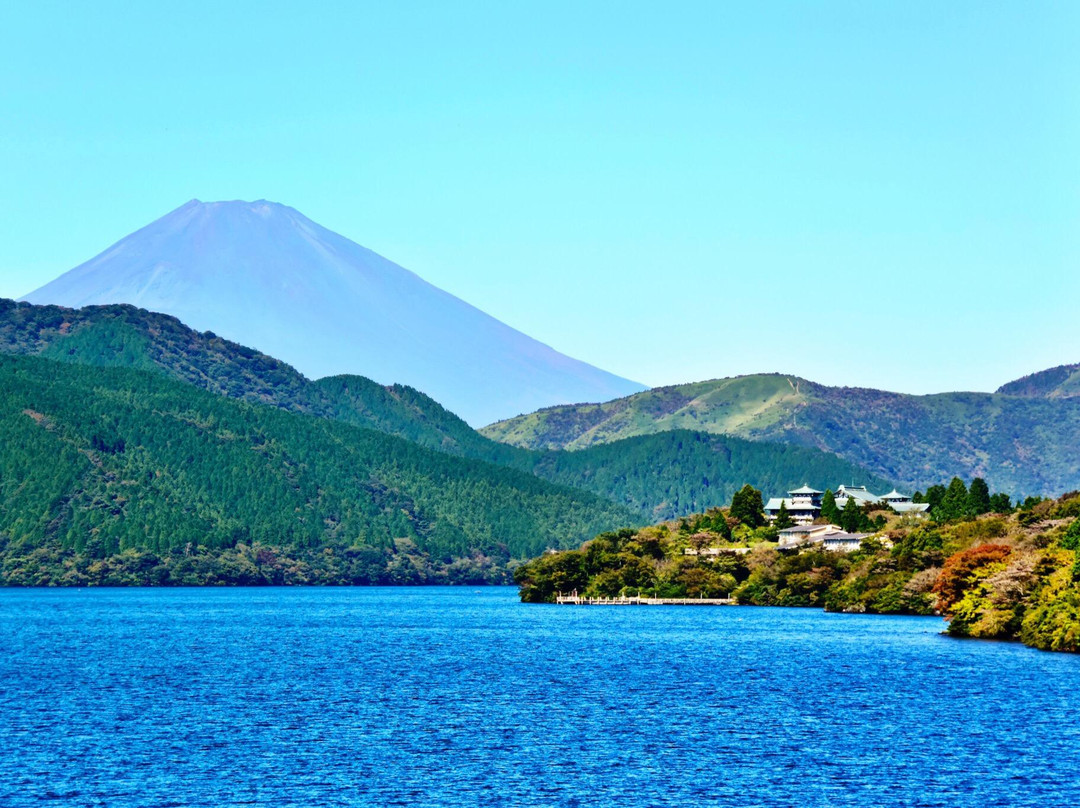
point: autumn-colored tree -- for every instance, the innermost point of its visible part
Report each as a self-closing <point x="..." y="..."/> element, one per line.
<point x="960" y="571"/>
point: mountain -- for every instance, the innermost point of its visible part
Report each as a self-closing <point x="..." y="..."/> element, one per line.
<point x="1060" y="382"/>
<point x="97" y="462"/>
<point x="260" y="273"/>
<point x="1023" y="444"/>
<point x="658" y="476"/>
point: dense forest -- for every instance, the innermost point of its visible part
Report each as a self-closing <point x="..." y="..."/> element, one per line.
<point x="681" y="472"/>
<point x="96" y="463"/>
<point x="995" y="575"/>
<point x="657" y="477"/>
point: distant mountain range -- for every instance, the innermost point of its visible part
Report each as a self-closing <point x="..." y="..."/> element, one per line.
<point x="1022" y="439"/>
<point x="125" y="431"/>
<point x="262" y="274"/>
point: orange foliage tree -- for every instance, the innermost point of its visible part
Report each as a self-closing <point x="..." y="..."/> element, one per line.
<point x="960" y="571"/>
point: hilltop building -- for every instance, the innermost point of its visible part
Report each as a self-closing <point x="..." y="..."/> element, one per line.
<point x="830" y="537"/>
<point x="901" y="503"/>
<point x="804" y="534"/>
<point x="804" y="504"/>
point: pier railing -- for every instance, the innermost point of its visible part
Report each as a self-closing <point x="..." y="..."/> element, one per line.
<point x="578" y="600"/>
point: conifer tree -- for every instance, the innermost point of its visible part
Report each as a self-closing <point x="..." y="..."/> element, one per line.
<point x="829" y="511"/>
<point x="851" y="517"/>
<point x="747" y="506"/>
<point x="978" y="498"/>
<point x="934" y="495"/>
<point x="783" y="518"/>
<point x="954" y="505"/>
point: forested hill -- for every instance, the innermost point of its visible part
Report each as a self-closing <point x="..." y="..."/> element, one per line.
<point x="1060" y="382"/>
<point x="114" y="475"/>
<point x="1024" y="444"/>
<point x="675" y="473"/>
<point x="657" y="476"/>
<point x="125" y="336"/>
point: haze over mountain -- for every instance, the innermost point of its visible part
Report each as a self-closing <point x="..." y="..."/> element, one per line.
<point x="262" y="274"/>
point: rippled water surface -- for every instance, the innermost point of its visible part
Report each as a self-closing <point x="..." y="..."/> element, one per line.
<point x="284" y="697"/>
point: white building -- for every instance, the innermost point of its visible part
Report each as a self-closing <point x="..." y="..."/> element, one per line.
<point x="805" y="534"/>
<point x="901" y="503"/>
<point x="844" y="542"/>
<point x="830" y="537"/>
<point x="856" y="492"/>
<point x="803" y="505"/>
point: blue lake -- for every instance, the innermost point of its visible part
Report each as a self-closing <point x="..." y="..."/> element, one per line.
<point x="421" y="697"/>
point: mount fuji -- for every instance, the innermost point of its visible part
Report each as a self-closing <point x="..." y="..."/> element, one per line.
<point x="264" y="275"/>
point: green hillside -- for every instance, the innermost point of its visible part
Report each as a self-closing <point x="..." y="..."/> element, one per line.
<point x="1022" y="444"/>
<point x="657" y="476"/>
<point x="96" y="463"/>
<point x="125" y="336"/>
<point x="1060" y="382"/>
<point x="676" y="473"/>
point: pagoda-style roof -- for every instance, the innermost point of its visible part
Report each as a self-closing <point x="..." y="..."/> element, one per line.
<point x="858" y="492"/>
<point x="806" y="489"/>
<point x="894" y="494"/>
<point x="795" y="506"/>
<point x="910" y="507"/>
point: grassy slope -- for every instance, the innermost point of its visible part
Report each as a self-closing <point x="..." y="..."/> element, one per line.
<point x="744" y="406"/>
<point x="1019" y="444"/>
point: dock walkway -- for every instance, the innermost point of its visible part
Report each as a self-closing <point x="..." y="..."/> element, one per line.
<point x="578" y="600"/>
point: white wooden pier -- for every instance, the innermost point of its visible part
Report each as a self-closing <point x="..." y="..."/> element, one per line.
<point x="578" y="600"/>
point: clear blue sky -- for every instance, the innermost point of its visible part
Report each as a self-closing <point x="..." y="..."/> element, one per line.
<point x="876" y="194"/>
